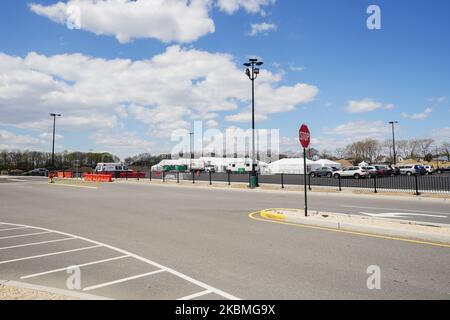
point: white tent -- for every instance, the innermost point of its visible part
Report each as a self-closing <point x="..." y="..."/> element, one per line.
<point x="194" y="164"/>
<point x="292" y="166"/>
<point x="328" y="163"/>
<point x="220" y="164"/>
<point x="363" y="164"/>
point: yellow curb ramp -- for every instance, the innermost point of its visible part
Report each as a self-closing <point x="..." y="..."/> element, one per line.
<point x="272" y="214"/>
<point x="357" y="229"/>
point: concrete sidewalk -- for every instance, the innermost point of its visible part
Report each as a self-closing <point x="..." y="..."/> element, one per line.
<point x="438" y="234"/>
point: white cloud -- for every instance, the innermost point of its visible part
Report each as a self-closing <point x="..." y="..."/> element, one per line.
<point x="438" y="99"/>
<point x="122" y="144"/>
<point x="418" y="116"/>
<point x="441" y="135"/>
<point x="49" y="136"/>
<point x="166" y="20"/>
<point x="270" y="101"/>
<point x="252" y="6"/>
<point x="245" y="117"/>
<point x="165" y="92"/>
<point x="297" y="69"/>
<point x="264" y="28"/>
<point x="366" y="105"/>
<point x="181" y="21"/>
<point x="12" y="141"/>
<point x="361" y="129"/>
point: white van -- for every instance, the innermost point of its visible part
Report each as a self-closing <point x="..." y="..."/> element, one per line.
<point x="110" y="167"/>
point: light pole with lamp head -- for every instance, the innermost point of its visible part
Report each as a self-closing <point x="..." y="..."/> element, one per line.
<point x="252" y="72"/>
<point x="54" y="115"/>
<point x="190" y="150"/>
<point x="393" y="123"/>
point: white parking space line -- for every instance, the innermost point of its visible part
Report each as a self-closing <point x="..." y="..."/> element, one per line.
<point x="195" y="295"/>
<point x="25" y="235"/>
<point x="396" y="209"/>
<point x="101" y="285"/>
<point x="36" y="243"/>
<point x="15" y="228"/>
<point x="50" y="254"/>
<point x="77" y="265"/>
<point x="145" y="260"/>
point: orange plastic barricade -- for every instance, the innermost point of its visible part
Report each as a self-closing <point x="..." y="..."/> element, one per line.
<point x="98" y="177"/>
<point x="62" y="174"/>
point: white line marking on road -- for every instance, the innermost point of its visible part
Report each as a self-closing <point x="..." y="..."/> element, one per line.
<point x="394" y="209"/>
<point x="36" y="243"/>
<point x="101" y="285"/>
<point x="157" y="265"/>
<point x="400" y="215"/>
<point x="50" y="254"/>
<point x="11" y="224"/>
<point x="78" y="265"/>
<point x="25" y="235"/>
<point x="195" y="295"/>
<point x="16" y="228"/>
<point x="74" y="186"/>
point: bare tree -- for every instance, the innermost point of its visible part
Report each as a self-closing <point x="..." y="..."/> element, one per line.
<point x="402" y="148"/>
<point x="424" y="146"/>
<point x="445" y="150"/>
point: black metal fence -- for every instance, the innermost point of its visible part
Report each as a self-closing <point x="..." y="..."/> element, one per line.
<point x="439" y="183"/>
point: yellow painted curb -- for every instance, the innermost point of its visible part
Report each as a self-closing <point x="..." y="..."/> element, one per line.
<point x="272" y="214"/>
<point x="355" y="233"/>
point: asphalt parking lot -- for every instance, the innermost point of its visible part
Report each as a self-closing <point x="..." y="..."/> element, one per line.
<point x="41" y="256"/>
<point x="155" y="242"/>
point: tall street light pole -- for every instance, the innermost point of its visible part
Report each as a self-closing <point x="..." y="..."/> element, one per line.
<point x="252" y="72"/>
<point x="190" y="150"/>
<point x="393" y="123"/>
<point x="54" y="115"/>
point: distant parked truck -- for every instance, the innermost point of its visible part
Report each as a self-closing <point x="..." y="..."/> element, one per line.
<point x="241" y="167"/>
<point x="112" y="168"/>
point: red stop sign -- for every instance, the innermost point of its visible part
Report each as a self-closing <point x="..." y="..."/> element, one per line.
<point x="304" y="136"/>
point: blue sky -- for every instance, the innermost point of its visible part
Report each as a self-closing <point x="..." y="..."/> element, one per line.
<point x="401" y="72"/>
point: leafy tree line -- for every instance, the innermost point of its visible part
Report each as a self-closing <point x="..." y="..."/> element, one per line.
<point x="28" y="160"/>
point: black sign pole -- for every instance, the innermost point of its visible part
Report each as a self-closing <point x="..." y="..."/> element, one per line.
<point x="304" y="176"/>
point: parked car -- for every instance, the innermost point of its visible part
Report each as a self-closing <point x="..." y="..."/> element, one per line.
<point x="372" y="171"/>
<point x="408" y="170"/>
<point x="354" y="172"/>
<point x="429" y="169"/>
<point x="443" y="170"/>
<point x="395" y="170"/>
<point x="323" y="172"/>
<point x="421" y="169"/>
<point x="39" y="172"/>
<point x="384" y="170"/>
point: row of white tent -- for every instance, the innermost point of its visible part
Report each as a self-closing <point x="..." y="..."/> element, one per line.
<point x="287" y="166"/>
<point x="296" y="166"/>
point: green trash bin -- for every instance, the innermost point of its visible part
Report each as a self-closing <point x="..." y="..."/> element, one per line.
<point x="253" y="182"/>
